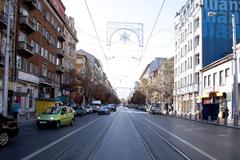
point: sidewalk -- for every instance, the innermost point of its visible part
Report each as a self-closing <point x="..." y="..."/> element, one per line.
<point x="193" y="117"/>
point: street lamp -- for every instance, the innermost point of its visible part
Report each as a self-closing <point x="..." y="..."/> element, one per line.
<point x="234" y="69"/>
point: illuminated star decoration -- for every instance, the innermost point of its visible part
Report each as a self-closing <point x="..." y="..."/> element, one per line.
<point x="124" y="37"/>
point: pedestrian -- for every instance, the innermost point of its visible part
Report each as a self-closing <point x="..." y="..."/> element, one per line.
<point x="226" y="111"/>
<point x="15" y="110"/>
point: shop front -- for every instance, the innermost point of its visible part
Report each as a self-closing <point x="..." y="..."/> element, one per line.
<point x="213" y="105"/>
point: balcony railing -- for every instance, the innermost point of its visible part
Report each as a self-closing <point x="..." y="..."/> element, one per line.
<point x="3" y="20"/>
<point x="61" y="36"/>
<point x="25" y="48"/>
<point x="45" y="81"/>
<point x="32" y="4"/>
<point x="27" y="24"/>
<point x="59" y="69"/>
<point x="60" y="53"/>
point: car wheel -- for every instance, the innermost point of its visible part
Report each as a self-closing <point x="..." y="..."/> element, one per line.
<point x="4" y="138"/>
<point x="72" y="122"/>
<point x="58" y="124"/>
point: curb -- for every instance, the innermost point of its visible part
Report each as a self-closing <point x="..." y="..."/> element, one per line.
<point x="205" y="122"/>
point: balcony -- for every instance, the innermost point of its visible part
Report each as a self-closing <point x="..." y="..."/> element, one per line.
<point x="25" y="48"/>
<point x="31" y="4"/>
<point x="61" y="36"/>
<point x="3" y="20"/>
<point x="59" y="69"/>
<point x="60" y="53"/>
<point x="44" y="81"/>
<point x="27" y="24"/>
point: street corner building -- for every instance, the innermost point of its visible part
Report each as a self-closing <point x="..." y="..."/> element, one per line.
<point x="201" y="43"/>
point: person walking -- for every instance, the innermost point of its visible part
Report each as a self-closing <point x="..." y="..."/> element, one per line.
<point x="15" y="110"/>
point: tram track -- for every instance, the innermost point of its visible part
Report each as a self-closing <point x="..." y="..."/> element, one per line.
<point x="98" y="144"/>
<point x="152" y="153"/>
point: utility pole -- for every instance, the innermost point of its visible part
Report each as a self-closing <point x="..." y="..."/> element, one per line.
<point x="235" y="74"/>
<point x="6" y="63"/>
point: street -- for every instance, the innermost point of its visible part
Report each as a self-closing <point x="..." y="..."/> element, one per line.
<point x="125" y="134"/>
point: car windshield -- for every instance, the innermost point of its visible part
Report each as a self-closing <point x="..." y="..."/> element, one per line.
<point x="52" y="110"/>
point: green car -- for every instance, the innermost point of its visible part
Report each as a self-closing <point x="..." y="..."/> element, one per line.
<point x="56" y="116"/>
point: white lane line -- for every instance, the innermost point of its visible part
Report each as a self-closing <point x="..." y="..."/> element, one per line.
<point x="57" y="141"/>
<point x="26" y="129"/>
<point x="183" y="141"/>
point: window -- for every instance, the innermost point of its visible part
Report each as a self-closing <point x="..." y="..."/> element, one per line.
<point x="190" y="62"/>
<point x="209" y="80"/>
<point x="190" y="27"/>
<point x="197" y="78"/>
<point x="24" y="64"/>
<point x="221" y="78"/>
<point x="46" y="54"/>
<point x="31" y="67"/>
<point x="214" y="79"/>
<point x="22" y="37"/>
<point x="227" y="72"/>
<point x="37" y="49"/>
<point x="42" y="51"/>
<point x="196" y="41"/>
<point x="196" y="23"/>
<point x="197" y="59"/>
<point x="190" y="79"/>
<point x="205" y="81"/>
<point x="44" y="71"/>
<point x="36" y="69"/>
<point x="19" y="63"/>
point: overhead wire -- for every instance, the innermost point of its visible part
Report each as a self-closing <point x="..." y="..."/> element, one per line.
<point x="151" y="33"/>
<point x="98" y="38"/>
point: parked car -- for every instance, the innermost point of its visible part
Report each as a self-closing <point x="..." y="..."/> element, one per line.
<point x="112" y="107"/>
<point x="8" y="129"/>
<point x="155" y="108"/>
<point x="104" y="110"/>
<point x="88" y="109"/>
<point x="79" y="111"/>
<point x="56" y="116"/>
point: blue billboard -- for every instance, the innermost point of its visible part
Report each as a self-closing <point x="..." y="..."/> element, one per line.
<point x="217" y="30"/>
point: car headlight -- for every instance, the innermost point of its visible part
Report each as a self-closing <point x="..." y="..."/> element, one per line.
<point x="51" y="118"/>
<point x="38" y="117"/>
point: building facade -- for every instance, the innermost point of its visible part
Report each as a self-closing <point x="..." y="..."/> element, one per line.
<point x="39" y="52"/>
<point x="218" y="79"/>
<point x="69" y="48"/>
<point x="197" y="41"/>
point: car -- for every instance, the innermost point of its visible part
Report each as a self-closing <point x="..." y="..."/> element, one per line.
<point x="79" y="111"/>
<point x="155" y="108"/>
<point x="88" y="109"/>
<point x="56" y="116"/>
<point x="112" y="107"/>
<point x="8" y="129"/>
<point x="96" y="104"/>
<point x="103" y="110"/>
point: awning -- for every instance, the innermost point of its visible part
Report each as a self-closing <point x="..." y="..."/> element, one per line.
<point x="212" y="94"/>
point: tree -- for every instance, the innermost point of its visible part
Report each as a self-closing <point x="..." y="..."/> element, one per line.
<point x="138" y="98"/>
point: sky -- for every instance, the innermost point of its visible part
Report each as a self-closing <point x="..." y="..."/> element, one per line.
<point x="121" y="59"/>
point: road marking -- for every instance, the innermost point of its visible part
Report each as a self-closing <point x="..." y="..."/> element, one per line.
<point x="134" y="112"/>
<point x="26" y="129"/>
<point x="57" y="141"/>
<point x="183" y="141"/>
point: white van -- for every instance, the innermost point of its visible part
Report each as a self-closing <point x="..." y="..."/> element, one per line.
<point x="96" y="104"/>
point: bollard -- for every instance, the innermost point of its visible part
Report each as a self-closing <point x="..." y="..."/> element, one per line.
<point x="235" y="120"/>
<point x="190" y="116"/>
<point x="185" y="115"/>
<point x="196" y="116"/>
<point x="181" y="115"/>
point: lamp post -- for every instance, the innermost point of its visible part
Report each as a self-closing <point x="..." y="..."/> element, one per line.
<point x="234" y="69"/>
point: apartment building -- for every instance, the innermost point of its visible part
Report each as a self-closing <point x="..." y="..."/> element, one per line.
<point x="199" y="41"/>
<point x="69" y="48"/>
<point x="39" y="51"/>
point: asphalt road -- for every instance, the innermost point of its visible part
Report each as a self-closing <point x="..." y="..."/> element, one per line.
<point x="127" y="134"/>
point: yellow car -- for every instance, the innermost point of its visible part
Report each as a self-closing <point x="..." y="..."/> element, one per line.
<point x="56" y="116"/>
